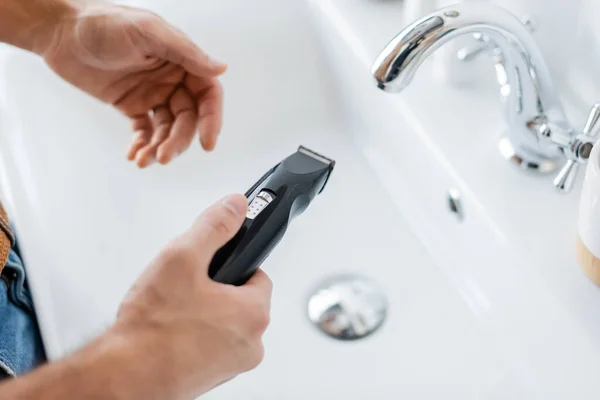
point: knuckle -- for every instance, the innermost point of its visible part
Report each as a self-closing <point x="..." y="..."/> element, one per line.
<point x="171" y="254"/>
<point x="228" y="213"/>
<point x="148" y="21"/>
<point x="152" y="17"/>
<point x="178" y="254"/>
<point x="219" y="226"/>
<point x="264" y="321"/>
<point x="221" y="222"/>
<point x="255" y="357"/>
<point x="174" y="56"/>
<point x="155" y="17"/>
<point x="260" y="322"/>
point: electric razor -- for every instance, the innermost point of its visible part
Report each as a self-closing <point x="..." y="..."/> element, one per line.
<point x="282" y="194"/>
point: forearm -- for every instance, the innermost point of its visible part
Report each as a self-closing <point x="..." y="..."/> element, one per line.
<point x="109" y="368"/>
<point x="30" y="24"/>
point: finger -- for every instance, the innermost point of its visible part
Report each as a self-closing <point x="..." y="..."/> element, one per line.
<point x="162" y="120"/>
<point x="210" y="114"/>
<point x="262" y="285"/>
<point x="169" y="43"/>
<point x="142" y="128"/>
<point x="217" y="225"/>
<point x="140" y="140"/>
<point x="182" y="132"/>
<point x="208" y="93"/>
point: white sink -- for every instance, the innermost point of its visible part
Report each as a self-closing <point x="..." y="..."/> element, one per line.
<point x="490" y="308"/>
<point x="513" y="257"/>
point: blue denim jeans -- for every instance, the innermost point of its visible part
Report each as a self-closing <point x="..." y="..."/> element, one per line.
<point x="21" y="347"/>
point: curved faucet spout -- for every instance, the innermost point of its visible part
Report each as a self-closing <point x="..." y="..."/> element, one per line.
<point x="526" y="87"/>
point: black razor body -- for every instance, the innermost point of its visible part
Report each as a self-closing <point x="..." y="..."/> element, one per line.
<point x="282" y="194"/>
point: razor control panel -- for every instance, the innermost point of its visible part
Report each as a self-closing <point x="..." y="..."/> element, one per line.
<point x="259" y="203"/>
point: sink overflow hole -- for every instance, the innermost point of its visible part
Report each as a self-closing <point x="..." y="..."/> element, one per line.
<point x="455" y="203"/>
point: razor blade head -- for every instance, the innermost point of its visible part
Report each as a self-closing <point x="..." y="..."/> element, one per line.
<point x="315" y="155"/>
<point x="328" y="162"/>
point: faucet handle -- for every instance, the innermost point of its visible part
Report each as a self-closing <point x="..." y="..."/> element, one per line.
<point x="589" y="129"/>
<point x="579" y="152"/>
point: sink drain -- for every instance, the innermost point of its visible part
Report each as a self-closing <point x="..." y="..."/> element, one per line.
<point x="347" y="307"/>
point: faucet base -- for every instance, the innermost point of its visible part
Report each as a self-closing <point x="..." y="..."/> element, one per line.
<point x="526" y="160"/>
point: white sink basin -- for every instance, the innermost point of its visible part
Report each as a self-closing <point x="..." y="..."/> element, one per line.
<point x="513" y="257"/>
<point x="491" y="308"/>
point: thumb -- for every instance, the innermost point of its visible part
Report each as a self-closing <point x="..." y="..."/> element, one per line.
<point x="217" y="225"/>
<point x="167" y="42"/>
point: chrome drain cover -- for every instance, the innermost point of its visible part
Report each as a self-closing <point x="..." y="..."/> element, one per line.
<point x="348" y="307"/>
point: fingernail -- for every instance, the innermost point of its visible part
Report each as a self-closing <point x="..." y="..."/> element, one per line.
<point x="236" y="203"/>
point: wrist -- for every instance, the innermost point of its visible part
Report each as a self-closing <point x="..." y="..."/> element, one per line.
<point x="167" y="360"/>
<point x="115" y="366"/>
<point x="33" y="24"/>
<point x="143" y="369"/>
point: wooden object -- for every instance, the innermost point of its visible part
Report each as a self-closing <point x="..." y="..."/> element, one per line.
<point x="589" y="263"/>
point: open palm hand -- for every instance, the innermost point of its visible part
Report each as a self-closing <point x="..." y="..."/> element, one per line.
<point x="148" y="70"/>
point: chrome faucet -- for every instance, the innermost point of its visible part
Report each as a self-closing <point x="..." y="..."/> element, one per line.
<point x="539" y="134"/>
